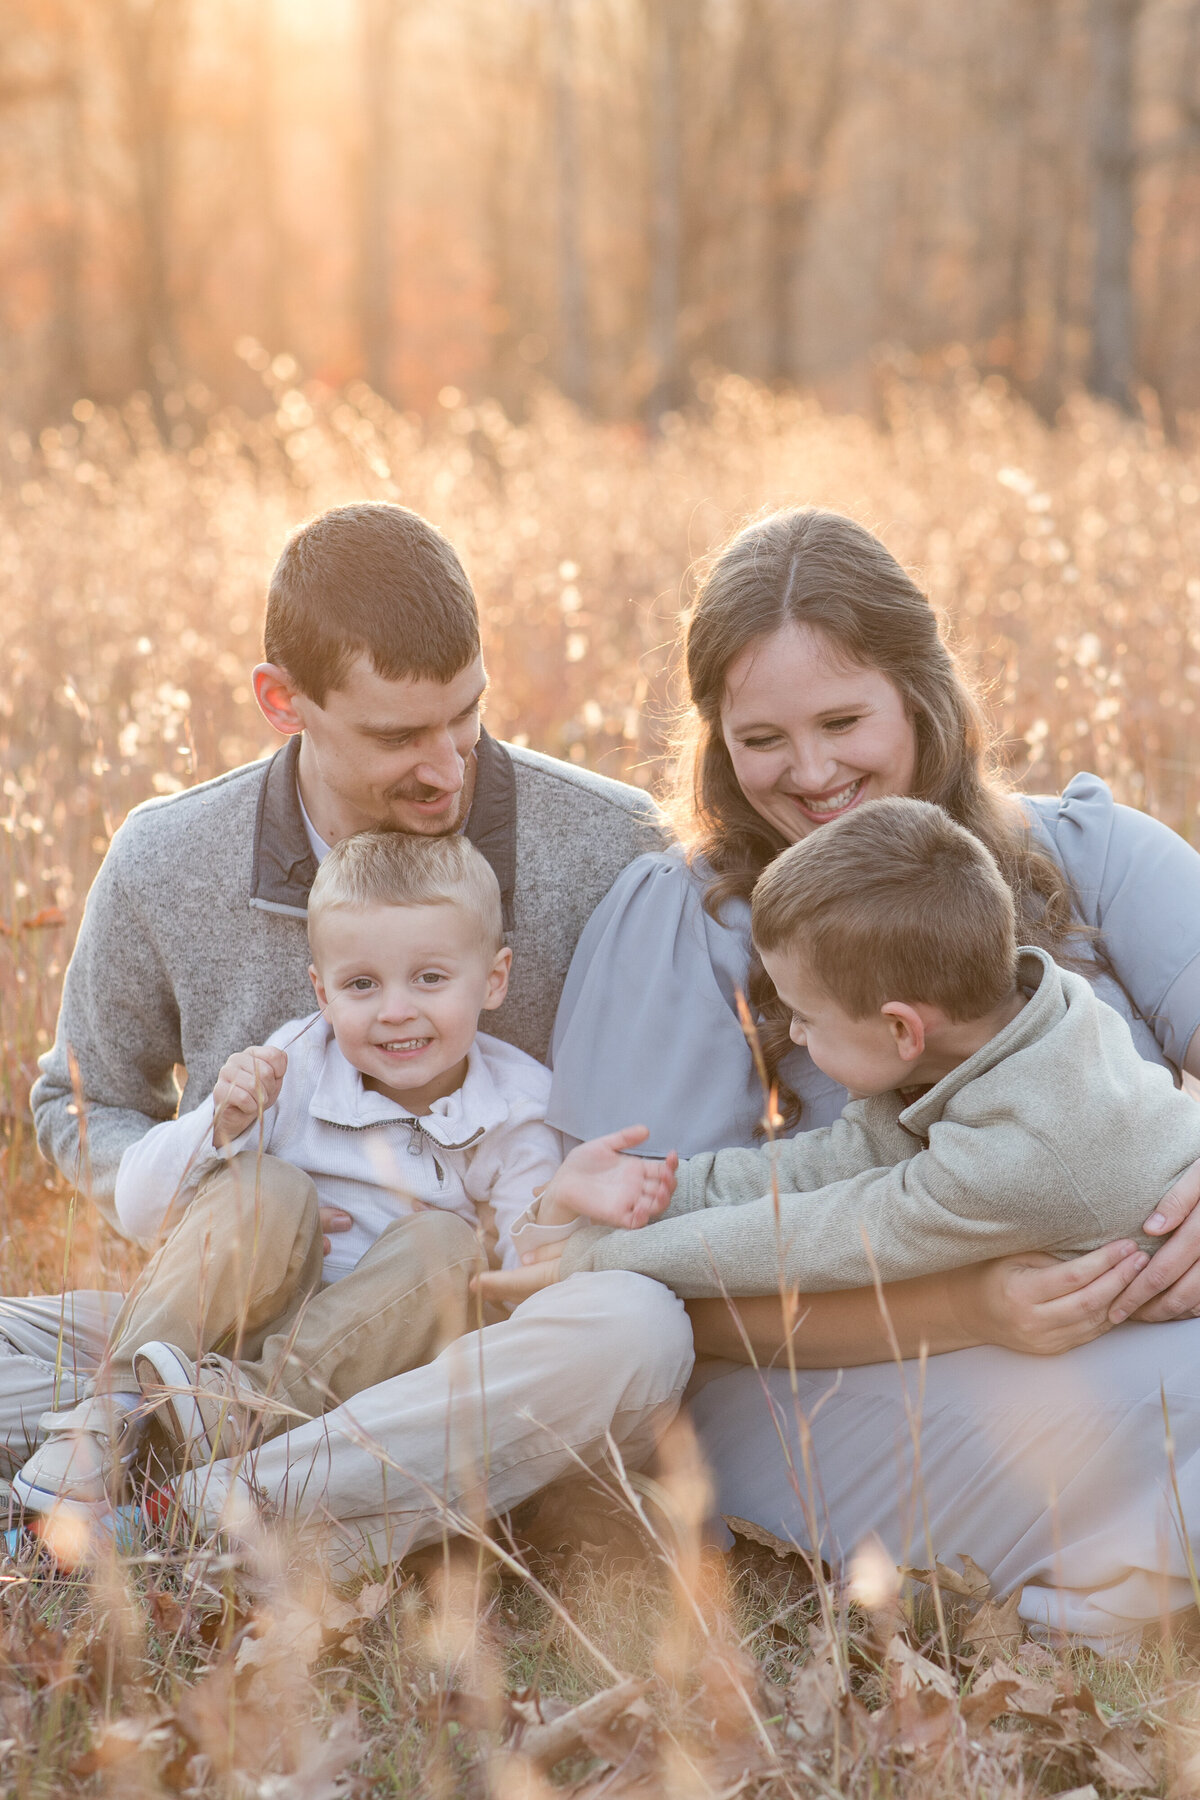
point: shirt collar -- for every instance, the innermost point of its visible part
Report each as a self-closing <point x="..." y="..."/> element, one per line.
<point x="284" y="866"/>
<point x="1039" y="975"/>
<point x="340" y="1097"/>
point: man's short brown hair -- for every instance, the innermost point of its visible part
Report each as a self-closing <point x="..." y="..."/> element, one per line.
<point x="396" y="868"/>
<point x="893" y="902"/>
<point x="369" y="580"/>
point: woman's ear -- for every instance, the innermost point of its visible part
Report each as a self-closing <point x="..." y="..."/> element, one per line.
<point x="907" y="1028"/>
<point x="497" y="981"/>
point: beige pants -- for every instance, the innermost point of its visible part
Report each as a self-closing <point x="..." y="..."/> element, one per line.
<point x="241" y="1274"/>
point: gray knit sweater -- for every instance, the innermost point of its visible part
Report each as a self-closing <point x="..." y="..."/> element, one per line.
<point x="1055" y="1135"/>
<point x="193" y="942"/>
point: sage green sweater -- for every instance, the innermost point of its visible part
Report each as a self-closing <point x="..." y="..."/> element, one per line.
<point x="1056" y="1135"/>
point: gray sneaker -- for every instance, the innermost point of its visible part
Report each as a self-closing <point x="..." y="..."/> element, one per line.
<point x="208" y="1408"/>
<point x="85" y="1459"/>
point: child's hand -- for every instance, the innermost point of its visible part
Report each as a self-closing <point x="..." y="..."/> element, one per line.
<point x="246" y="1086"/>
<point x="597" y="1182"/>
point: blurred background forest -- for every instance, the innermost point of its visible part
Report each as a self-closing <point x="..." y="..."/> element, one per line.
<point x="605" y="194"/>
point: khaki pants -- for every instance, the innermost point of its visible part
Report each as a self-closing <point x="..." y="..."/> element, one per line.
<point x="241" y="1274"/>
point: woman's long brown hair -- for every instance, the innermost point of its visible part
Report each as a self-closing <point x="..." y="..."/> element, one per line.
<point x="818" y="569"/>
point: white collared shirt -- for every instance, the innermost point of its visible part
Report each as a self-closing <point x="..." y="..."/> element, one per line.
<point x="485" y="1145"/>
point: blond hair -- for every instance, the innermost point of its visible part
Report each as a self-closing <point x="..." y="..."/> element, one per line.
<point x="394" y="868"/>
<point x="894" y="901"/>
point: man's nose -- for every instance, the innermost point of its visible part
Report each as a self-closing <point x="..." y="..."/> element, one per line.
<point x="441" y="766"/>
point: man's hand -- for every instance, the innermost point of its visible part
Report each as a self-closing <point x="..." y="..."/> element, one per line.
<point x="248" y="1083"/>
<point x="1170" y="1286"/>
<point x="332" y="1219"/>
<point x="1040" y="1305"/>
<point x="508" y="1287"/>
<point x="597" y="1182"/>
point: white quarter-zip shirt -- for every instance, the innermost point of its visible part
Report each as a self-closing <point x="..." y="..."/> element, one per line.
<point x="485" y="1145"/>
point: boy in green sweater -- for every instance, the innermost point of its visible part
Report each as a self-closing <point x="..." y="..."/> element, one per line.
<point x="996" y="1104"/>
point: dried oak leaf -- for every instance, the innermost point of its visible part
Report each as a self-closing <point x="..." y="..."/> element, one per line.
<point x="911" y="1671"/>
<point x="996" y="1629"/>
<point x="972" y="1584"/>
<point x="1128" y="1761"/>
<point x="123" y="1739"/>
<point x="991" y="1696"/>
<point x="588" y="1724"/>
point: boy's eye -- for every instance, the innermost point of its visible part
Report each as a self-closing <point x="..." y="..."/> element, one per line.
<point x="361" y="984"/>
<point x="430" y="978"/>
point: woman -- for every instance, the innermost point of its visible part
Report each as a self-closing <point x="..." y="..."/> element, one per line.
<point x="818" y="680"/>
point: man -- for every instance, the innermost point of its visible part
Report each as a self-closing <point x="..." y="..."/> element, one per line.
<point x="193" y="944"/>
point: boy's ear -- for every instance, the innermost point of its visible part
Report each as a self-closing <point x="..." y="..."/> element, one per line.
<point x="907" y="1029"/>
<point x="497" y="981"/>
<point x="318" y="987"/>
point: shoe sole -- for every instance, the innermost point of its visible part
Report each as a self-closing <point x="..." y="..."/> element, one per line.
<point x="44" y="1501"/>
<point x="166" y="1382"/>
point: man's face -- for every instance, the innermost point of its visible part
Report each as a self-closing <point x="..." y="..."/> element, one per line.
<point x="395" y="755"/>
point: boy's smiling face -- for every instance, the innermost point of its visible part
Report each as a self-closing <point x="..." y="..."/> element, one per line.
<point x="403" y="988"/>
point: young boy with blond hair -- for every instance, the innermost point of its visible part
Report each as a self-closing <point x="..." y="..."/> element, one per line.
<point x="388" y="1103"/>
<point x="998" y="1105"/>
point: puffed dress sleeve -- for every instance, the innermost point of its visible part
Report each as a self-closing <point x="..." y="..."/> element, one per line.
<point x="647" y="1029"/>
<point x="1138" y="883"/>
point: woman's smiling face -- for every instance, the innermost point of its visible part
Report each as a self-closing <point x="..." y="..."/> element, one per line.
<point x="811" y="735"/>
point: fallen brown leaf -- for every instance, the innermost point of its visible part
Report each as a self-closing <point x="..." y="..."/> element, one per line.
<point x="546" y="1744"/>
<point x="996" y="1629"/>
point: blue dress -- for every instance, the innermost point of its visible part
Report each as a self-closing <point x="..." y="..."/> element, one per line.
<point x="1050" y="1472"/>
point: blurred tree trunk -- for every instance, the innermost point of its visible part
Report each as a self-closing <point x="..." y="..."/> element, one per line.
<point x="272" y="326"/>
<point x="802" y="112"/>
<point x="151" y="37"/>
<point x="380" y="33"/>
<point x="69" y="370"/>
<point x="666" y="24"/>
<point x="574" y="373"/>
<point x="1113" y="26"/>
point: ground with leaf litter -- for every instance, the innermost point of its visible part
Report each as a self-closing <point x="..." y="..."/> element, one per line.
<point x="602" y="1650"/>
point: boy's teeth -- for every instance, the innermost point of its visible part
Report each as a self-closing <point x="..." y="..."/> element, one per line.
<point x="834" y="801"/>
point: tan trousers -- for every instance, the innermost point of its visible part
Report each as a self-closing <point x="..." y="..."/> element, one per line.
<point x="241" y="1274"/>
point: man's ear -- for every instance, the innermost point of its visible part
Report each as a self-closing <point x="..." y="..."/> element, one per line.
<point x="907" y="1028"/>
<point x="318" y="988"/>
<point x="277" y="694"/>
<point x="497" y="981"/>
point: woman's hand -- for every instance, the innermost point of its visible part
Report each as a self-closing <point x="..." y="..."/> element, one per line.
<point x="1041" y="1306"/>
<point x="1170" y="1286"/>
<point x="508" y="1287"/>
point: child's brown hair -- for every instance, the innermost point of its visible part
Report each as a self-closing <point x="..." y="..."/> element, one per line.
<point x="894" y="901"/>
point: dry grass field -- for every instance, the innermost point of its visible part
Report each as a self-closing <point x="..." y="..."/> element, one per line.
<point x="1067" y="563"/>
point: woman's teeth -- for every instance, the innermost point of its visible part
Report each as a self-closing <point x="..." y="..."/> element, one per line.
<point x="831" y="803"/>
